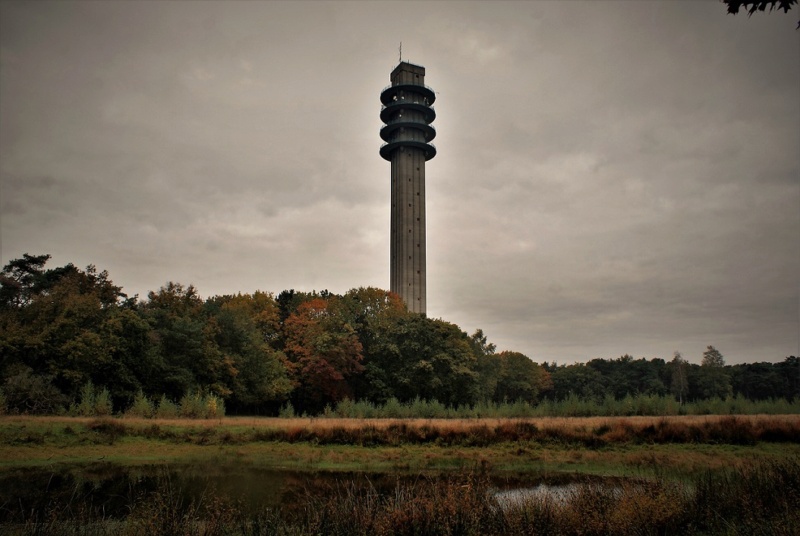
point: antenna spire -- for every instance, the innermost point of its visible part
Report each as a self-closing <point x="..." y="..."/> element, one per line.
<point x="401" y="52"/>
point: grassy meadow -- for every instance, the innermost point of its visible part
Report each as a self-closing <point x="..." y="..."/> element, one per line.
<point x="607" y="445"/>
<point x="674" y="474"/>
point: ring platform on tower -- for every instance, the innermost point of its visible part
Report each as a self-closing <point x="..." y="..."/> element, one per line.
<point x="387" y="149"/>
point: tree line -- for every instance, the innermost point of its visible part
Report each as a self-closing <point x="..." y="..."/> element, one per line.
<point x="64" y="328"/>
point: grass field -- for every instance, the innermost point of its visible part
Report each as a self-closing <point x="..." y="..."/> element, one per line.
<point x="604" y="445"/>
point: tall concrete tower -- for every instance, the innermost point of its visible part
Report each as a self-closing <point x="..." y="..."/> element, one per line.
<point x="407" y="112"/>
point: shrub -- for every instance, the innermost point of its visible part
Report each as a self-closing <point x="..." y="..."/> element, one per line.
<point x="192" y="406"/>
<point x="214" y="407"/>
<point x="142" y="407"/>
<point x="166" y="408"/>
<point x="26" y="392"/>
<point x="93" y="402"/>
<point x="287" y="411"/>
<point x="102" y="403"/>
<point x="199" y="406"/>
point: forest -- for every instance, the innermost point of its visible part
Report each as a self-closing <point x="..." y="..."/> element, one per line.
<point x="67" y="333"/>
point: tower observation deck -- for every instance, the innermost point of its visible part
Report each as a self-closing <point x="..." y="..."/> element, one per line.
<point x="407" y="113"/>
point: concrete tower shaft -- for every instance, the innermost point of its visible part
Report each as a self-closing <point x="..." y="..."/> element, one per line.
<point x="407" y="113"/>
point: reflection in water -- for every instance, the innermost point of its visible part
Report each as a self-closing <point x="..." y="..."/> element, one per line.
<point x="560" y="493"/>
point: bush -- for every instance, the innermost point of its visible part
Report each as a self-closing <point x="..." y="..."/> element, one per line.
<point x="191" y="406"/>
<point x="166" y="408"/>
<point x="287" y="411"/>
<point x="93" y="403"/>
<point x="214" y="407"/>
<point x="26" y="392"/>
<point x="102" y="403"/>
<point x="142" y="407"/>
<point x="198" y="406"/>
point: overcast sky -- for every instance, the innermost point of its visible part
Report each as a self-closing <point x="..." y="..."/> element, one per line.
<point x="612" y="177"/>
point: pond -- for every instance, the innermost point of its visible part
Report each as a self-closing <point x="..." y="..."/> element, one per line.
<point x="110" y="491"/>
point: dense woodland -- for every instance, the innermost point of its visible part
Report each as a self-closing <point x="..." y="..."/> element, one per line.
<point x="61" y="328"/>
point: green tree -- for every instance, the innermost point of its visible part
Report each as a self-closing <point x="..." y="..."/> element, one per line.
<point x="680" y="377"/>
<point x="22" y="279"/>
<point x="245" y="324"/>
<point x="520" y="379"/>
<point x="577" y="379"/>
<point x="29" y="393"/>
<point x="713" y="380"/>
<point x="488" y="365"/>
<point x="419" y="357"/>
<point x="182" y="351"/>
<point x="789" y="369"/>
<point x="371" y="312"/>
<point x="65" y="324"/>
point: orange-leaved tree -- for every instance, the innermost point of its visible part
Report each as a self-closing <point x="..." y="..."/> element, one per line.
<point x="324" y="352"/>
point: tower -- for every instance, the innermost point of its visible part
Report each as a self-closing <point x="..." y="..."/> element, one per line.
<point x="407" y="112"/>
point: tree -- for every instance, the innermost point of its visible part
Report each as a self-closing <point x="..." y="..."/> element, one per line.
<point x="29" y="393"/>
<point x="520" y="379"/>
<point x="488" y="365"/>
<point x="751" y="6"/>
<point x="712" y="358"/>
<point x="419" y="357"/>
<point x="371" y="312"/>
<point x="680" y="377"/>
<point x="790" y="370"/>
<point x="182" y="353"/>
<point x="65" y="324"/>
<point x="758" y="381"/>
<point x="577" y="379"/>
<point x="324" y="352"/>
<point x="713" y="380"/>
<point x="22" y="279"/>
<point x="244" y="326"/>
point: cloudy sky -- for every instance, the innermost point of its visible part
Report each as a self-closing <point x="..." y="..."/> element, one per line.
<point x="612" y="177"/>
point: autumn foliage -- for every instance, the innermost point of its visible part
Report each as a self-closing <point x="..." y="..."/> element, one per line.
<point x="64" y="328"/>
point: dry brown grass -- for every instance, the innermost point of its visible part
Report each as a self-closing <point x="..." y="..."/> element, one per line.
<point x="616" y="425"/>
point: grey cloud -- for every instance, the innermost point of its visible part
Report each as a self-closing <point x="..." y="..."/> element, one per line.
<point x="612" y="177"/>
